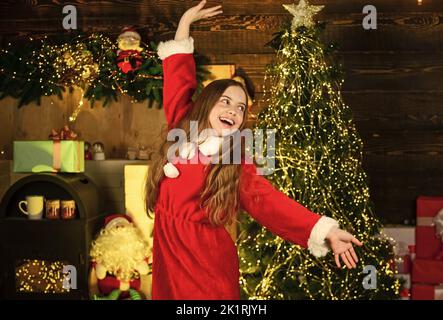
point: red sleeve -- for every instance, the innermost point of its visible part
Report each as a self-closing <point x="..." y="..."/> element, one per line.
<point x="273" y="209"/>
<point x="179" y="85"/>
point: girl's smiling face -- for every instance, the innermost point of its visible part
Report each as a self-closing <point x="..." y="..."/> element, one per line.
<point x="227" y="114"/>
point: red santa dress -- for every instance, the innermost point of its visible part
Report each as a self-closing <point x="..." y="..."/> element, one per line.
<point x="191" y="258"/>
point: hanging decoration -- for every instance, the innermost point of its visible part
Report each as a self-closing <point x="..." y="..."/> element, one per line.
<point x="129" y="51"/>
<point x="101" y="67"/>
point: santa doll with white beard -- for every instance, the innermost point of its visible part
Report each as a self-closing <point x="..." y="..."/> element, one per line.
<point x="120" y="258"/>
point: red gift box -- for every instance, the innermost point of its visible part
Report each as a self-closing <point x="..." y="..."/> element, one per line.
<point x="427" y="271"/>
<point x="428" y="244"/>
<point x="427" y="292"/>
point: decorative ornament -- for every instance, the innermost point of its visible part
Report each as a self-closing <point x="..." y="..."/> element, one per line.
<point x="303" y="14"/>
<point x="49" y="66"/>
<point x="74" y="64"/>
<point x="98" y="150"/>
<point x="132" y="153"/>
<point x="143" y="153"/>
<point x="129" y="51"/>
<point x="120" y="257"/>
<point x="88" y="151"/>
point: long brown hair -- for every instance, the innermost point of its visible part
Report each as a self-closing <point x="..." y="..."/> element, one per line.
<point x="220" y="197"/>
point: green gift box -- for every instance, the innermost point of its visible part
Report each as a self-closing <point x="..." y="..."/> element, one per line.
<point x="49" y="156"/>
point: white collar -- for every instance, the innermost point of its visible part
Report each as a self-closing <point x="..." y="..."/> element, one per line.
<point x="211" y="145"/>
<point x="208" y="146"/>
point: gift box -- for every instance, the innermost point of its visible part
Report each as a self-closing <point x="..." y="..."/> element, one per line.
<point x="427" y="292"/>
<point x="427" y="271"/>
<point x="49" y="156"/>
<point x="428" y="244"/>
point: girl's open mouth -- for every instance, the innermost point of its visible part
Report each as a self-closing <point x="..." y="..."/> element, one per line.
<point x="227" y="123"/>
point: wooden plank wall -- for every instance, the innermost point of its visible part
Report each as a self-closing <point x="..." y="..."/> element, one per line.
<point x="393" y="74"/>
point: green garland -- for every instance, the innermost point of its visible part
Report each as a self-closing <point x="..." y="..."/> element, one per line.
<point x="48" y="67"/>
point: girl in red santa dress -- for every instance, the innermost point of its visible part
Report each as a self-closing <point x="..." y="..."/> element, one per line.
<point x="195" y="197"/>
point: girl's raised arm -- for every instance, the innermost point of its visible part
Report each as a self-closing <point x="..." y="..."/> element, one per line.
<point x="179" y="73"/>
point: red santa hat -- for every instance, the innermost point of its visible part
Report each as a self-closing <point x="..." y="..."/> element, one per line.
<point x="129" y="32"/>
<point x="117" y="219"/>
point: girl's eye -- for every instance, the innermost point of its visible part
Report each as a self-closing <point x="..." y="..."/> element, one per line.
<point x="242" y="108"/>
<point x="225" y="100"/>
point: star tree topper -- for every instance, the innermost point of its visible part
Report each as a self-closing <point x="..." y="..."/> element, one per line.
<point x="303" y="13"/>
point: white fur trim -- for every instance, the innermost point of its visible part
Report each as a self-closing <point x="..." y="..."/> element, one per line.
<point x="211" y="145"/>
<point x="128" y="34"/>
<point x="316" y="243"/>
<point x="119" y="221"/>
<point x="187" y="150"/>
<point x="170" y="170"/>
<point x="170" y="47"/>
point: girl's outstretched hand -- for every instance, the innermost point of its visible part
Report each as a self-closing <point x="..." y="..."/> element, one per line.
<point x="197" y="12"/>
<point x="341" y="242"/>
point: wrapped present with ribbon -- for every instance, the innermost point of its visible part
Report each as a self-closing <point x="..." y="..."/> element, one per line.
<point x="427" y="292"/>
<point x="429" y="230"/>
<point x="63" y="153"/>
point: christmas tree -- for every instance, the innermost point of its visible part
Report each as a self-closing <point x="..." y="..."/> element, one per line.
<point x="318" y="156"/>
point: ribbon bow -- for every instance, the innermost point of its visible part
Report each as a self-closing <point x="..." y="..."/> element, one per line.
<point x="64" y="134"/>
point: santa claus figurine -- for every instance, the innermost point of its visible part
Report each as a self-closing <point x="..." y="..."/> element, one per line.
<point x="120" y="256"/>
<point x="129" y="54"/>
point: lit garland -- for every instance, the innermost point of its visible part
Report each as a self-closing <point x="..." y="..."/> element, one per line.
<point x="318" y="163"/>
<point x="48" y="67"/>
<point x="40" y="276"/>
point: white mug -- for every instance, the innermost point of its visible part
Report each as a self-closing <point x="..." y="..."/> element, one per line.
<point x="34" y="206"/>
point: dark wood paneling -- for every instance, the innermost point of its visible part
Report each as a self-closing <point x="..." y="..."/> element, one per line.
<point x="385" y="111"/>
<point x="396" y="182"/>
<point x="364" y="71"/>
<point x="145" y="8"/>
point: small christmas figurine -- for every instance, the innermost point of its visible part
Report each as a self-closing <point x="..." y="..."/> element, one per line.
<point x="99" y="151"/>
<point x="132" y="153"/>
<point x="129" y="54"/>
<point x="120" y="257"/>
<point x="88" y="151"/>
<point x="143" y="153"/>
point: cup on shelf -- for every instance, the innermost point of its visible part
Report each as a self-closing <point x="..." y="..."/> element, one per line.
<point x="34" y="206"/>
<point x="52" y="209"/>
<point x="67" y="209"/>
